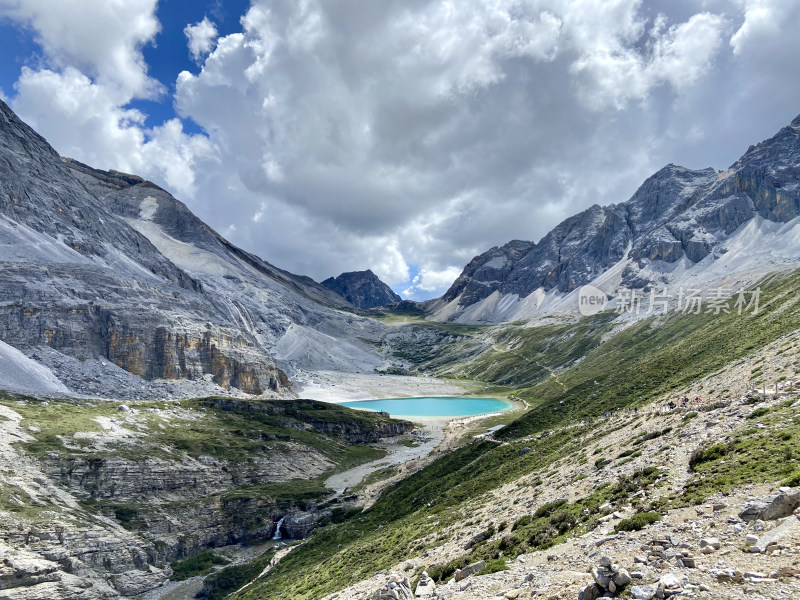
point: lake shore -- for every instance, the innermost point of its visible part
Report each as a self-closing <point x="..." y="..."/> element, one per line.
<point x="332" y="386"/>
<point x="437" y="434"/>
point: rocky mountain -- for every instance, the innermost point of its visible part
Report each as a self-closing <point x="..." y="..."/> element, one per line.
<point x="112" y="286"/>
<point x="678" y="226"/>
<point x="362" y="289"/>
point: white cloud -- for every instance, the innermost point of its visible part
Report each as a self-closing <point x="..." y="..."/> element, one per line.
<point x="429" y="281"/>
<point x="762" y="19"/>
<point x="84" y="120"/>
<point x="201" y="38"/>
<point x="684" y="54"/>
<point x="101" y="38"/>
<point x="414" y="133"/>
<point x="92" y="69"/>
<point x="391" y="267"/>
<point x="624" y="61"/>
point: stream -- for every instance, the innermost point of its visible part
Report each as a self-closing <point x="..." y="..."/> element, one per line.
<point x="430" y="435"/>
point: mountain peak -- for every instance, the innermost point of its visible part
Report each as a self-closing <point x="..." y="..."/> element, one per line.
<point x="127" y="294"/>
<point x="677" y="218"/>
<point x="362" y="289"/>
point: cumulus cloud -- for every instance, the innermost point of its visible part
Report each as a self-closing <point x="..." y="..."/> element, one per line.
<point x="410" y="136"/>
<point x="101" y="38"/>
<point x="412" y="124"/>
<point x="625" y="63"/>
<point x="84" y="120"/>
<point x="92" y="69"/>
<point x="428" y="281"/>
<point x="201" y="38"/>
<point x="762" y="20"/>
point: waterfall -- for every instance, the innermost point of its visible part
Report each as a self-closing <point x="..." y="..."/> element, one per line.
<point x="277" y="535"/>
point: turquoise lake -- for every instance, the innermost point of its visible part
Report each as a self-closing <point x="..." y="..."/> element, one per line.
<point x="432" y="406"/>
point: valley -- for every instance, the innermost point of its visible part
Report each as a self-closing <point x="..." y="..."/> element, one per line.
<point x="172" y="426"/>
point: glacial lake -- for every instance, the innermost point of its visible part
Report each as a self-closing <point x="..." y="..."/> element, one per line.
<point x="432" y="406"/>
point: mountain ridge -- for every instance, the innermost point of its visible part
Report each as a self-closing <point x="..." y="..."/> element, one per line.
<point x="119" y="290"/>
<point x="362" y="289"/>
<point x="678" y="216"/>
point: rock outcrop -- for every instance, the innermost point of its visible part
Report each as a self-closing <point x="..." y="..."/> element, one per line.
<point x="300" y="414"/>
<point x="777" y="505"/>
<point x="362" y="289"/>
<point x="101" y="512"/>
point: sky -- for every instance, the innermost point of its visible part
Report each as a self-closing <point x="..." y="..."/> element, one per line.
<point x="404" y="136"/>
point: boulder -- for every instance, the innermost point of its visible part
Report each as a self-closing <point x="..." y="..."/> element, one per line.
<point x="469" y="570"/>
<point x="643" y="592"/>
<point x="713" y="543"/>
<point x="777" y="505"/>
<point x="789" y="527"/>
<point x="621" y="578"/>
<point x="591" y="592"/>
<point x="669" y="585"/>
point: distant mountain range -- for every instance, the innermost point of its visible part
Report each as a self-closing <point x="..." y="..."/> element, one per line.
<point x="362" y="289"/>
<point x="680" y="227"/>
<point x="109" y="286"/>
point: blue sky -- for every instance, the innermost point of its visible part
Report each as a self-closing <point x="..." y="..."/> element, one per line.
<point x="168" y="56"/>
<point x="338" y="135"/>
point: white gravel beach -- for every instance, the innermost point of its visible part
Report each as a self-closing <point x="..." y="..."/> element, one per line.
<point x="331" y="386"/>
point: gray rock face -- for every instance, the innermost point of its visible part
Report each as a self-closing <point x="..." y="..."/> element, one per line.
<point x="362" y="289"/>
<point x="488" y="272"/>
<point x="476" y="567"/>
<point x="677" y="213"/>
<point x="775" y="506"/>
<point x="103" y="267"/>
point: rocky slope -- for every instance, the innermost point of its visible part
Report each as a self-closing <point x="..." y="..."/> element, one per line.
<point x="97" y="500"/>
<point x="676" y="229"/>
<point x="116" y="288"/>
<point x="738" y="538"/>
<point x="605" y="437"/>
<point x="362" y="289"/>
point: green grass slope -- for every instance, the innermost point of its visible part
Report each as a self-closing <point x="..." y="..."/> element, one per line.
<point x="636" y="365"/>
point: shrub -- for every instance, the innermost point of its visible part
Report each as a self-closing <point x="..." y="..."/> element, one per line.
<point x="128" y="516"/>
<point x="793" y="480"/>
<point x="196" y="565"/>
<point x="223" y="583"/>
<point x="703" y="455"/>
<point x="637" y="521"/>
<point x="521" y="522"/>
<point x="759" y="412"/>
<point x="493" y="566"/>
<point x="548" y="509"/>
<point x="444" y="572"/>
